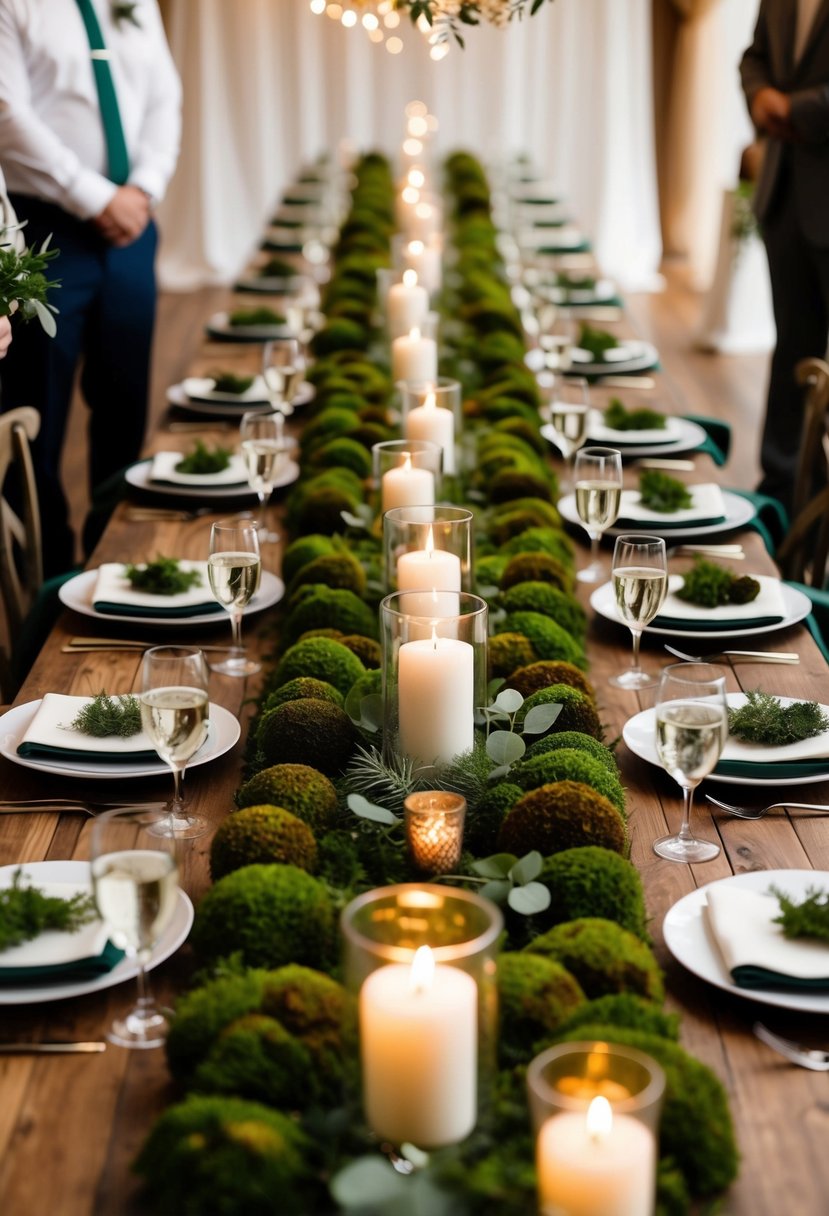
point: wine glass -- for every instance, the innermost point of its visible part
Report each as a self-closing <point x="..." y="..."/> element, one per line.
<point x="300" y="311"/>
<point x="691" y="729"/>
<point x="234" y="568"/>
<point x="135" y="884"/>
<point x="597" y="475"/>
<point x="640" y="583"/>
<point x="283" y="372"/>
<point x="174" y="713"/>
<point x="569" y="406"/>
<point x="265" y="452"/>
<point x="557" y="339"/>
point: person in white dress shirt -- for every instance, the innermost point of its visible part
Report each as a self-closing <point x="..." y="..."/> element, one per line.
<point x="64" y="179"/>
<point x="8" y="222"/>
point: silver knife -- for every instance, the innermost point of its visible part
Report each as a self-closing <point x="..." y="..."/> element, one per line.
<point x="51" y="1048"/>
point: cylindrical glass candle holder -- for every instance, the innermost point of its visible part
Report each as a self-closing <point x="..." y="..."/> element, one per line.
<point x="405" y="473"/>
<point x="434" y="411"/>
<point x="434" y="830"/>
<point x="428" y="548"/>
<point x="434" y="676"/>
<point x="595" y="1111"/>
<point x="427" y="1047"/>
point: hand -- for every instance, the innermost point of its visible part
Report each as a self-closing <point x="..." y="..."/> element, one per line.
<point x="5" y="335"/>
<point x="125" y="217"/>
<point x="771" y="112"/>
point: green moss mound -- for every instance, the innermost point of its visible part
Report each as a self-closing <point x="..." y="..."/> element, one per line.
<point x="578" y="740"/>
<point x="255" y="1057"/>
<point x="604" y="957"/>
<point x="202" y="1014"/>
<point x="321" y="509"/>
<point x="578" y="712"/>
<point x="483" y="824"/>
<point x="547" y="600"/>
<point x="549" y="640"/>
<point x="367" y="650"/>
<point x="536" y="568"/>
<point x="272" y="914"/>
<point x="569" y="764"/>
<point x="308" y="731"/>
<point x="321" y="607"/>
<point x="261" y="834"/>
<point x="542" y="674"/>
<point x="562" y="815"/>
<point x="341" y="334"/>
<point x="322" y="658"/>
<point x="322" y="1014"/>
<point x="543" y="514"/>
<point x="506" y="651"/>
<point x="535" y="995"/>
<point x="301" y="789"/>
<point x="343" y="452"/>
<point x="552" y="541"/>
<point x="302" y="551"/>
<point x="623" y="1009"/>
<point x="593" y="881"/>
<point x="509" y="484"/>
<point x="219" y="1156"/>
<point x="302" y="686"/>
<point x="339" y="570"/>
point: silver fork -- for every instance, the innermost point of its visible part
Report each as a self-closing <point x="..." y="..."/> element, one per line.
<point x="752" y="812"/>
<point x="143" y="514"/>
<point x="82" y="806"/>
<point x="806" y="1057"/>
<point x="745" y="656"/>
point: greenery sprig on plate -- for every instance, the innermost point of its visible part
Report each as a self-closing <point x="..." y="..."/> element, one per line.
<point x="810" y="918"/>
<point x="229" y="382"/>
<point x="106" y="715"/>
<point x="25" y="912"/>
<point x="663" y="493"/>
<point x="204" y="459"/>
<point x="163" y="576"/>
<point x="765" y="719"/>
<point x="597" y="342"/>
<point x="618" y="417"/>
<point x="710" y="585"/>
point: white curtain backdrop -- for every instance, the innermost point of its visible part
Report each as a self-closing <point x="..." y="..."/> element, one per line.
<point x="268" y="85"/>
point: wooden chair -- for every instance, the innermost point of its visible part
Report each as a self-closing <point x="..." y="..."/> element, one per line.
<point x="21" y="551"/>
<point x="804" y="553"/>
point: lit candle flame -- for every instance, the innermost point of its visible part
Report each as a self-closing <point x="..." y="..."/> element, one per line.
<point x="407" y="463"/>
<point x="423" y="211"/>
<point x="414" y="334"/>
<point x="416" y="248"/>
<point x="417" y="178"/>
<point x="429" y="402"/>
<point x="410" y="194"/>
<point x="422" y="974"/>
<point x="409" y="278"/>
<point x="434" y="636"/>
<point x="599" y="1119"/>
<point x="430" y="541"/>
<point x="412" y="146"/>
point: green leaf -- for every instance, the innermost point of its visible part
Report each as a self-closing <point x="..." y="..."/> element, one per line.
<point x="371" y="711"/>
<point x="529" y="900"/>
<point x="528" y="868"/>
<point x="353" y="521"/>
<point x="46" y="318"/>
<point x="496" y="866"/>
<point x="366" y="1182"/>
<point x="504" y="747"/>
<point x="369" y="810"/>
<point x="498" y="890"/>
<point x="541" y="718"/>
<point x="509" y="700"/>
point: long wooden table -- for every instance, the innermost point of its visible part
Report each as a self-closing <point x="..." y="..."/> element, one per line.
<point x="71" y="1126"/>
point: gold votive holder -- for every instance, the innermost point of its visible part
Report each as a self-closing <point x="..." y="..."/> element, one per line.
<point x="434" y="830"/>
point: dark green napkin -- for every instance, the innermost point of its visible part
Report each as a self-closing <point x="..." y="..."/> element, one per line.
<point x="658" y="438"/>
<point x="683" y="624"/>
<point x="45" y="751"/>
<point x="582" y="247"/>
<point x="665" y="522"/>
<point x="750" y="976"/>
<point x="140" y="610"/>
<point x="281" y="246"/>
<point x="78" y="969"/>
<point x="717" y="442"/>
<point x="781" y="770"/>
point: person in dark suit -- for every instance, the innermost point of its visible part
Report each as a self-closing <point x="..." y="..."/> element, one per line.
<point x="785" y="78"/>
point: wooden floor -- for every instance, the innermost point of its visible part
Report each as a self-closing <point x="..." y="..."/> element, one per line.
<point x="731" y="387"/>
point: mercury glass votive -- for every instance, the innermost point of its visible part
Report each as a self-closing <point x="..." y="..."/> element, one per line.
<point x="428" y="547"/>
<point x="405" y="473"/>
<point x="595" y="1110"/>
<point x="434" y="830"/>
<point x="434" y="411"/>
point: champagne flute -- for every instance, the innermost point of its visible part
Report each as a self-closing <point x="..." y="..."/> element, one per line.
<point x="691" y="729"/>
<point x="283" y="372"/>
<point x="135" y="884"/>
<point x="557" y="339"/>
<point x="597" y="476"/>
<point x="640" y="583"/>
<point x="569" y="405"/>
<point x="300" y="310"/>
<point x="174" y="715"/>
<point x="265" y="453"/>
<point x="234" y="568"/>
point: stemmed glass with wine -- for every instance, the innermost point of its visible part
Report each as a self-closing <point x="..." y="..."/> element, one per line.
<point x="234" y="568"/>
<point x="568" y="402"/>
<point x="174" y="715"/>
<point x="597" y="475"/>
<point x="135" y="885"/>
<point x="283" y="371"/>
<point x="265" y="453"/>
<point x="691" y="729"/>
<point x="640" y="583"/>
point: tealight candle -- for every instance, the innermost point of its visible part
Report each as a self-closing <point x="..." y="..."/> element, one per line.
<point x="414" y="357"/>
<point x="407" y="305"/>
<point x="436" y="699"/>
<point x="407" y="486"/>
<point x="418" y="1044"/>
<point x="434" y="830"/>
<point x="432" y="422"/>
<point x="595" y="1164"/>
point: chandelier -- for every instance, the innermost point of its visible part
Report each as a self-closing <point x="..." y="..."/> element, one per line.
<point x="441" y="22"/>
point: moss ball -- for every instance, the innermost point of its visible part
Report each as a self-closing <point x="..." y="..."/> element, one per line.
<point x="300" y="789"/>
<point x="489" y="569"/>
<point x="219" y="1155"/>
<point x="302" y="551"/>
<point x="604" y="957"/>
<point x="334" y="570"/>
<point x="368" y="685"/>
<point x="321" y="510"/>
<point x="322" y="658"/>
<point x="626" y="1010"/>
<point x="510" y="484"/>
<point x="578" y="740"/>
<point x="543" y="514"/>
<point x="592" y="881"/>
<point x="340" y="334"/>
<point x="321" y="607"/>
<point x="547" y="600"/>
<point x="535" y="995"/>
<point x="536" y="568"/>
<point x="483" y="823"/>
<point x="322" y="1014"/>
<point x="570" y="764"/>
<point x="506" y="651"/>
<point x="331" y="421"/>
<point x="263" y="834"/>
<point x="562" y="815"/>
<point x="302" y="686"/>
<point x="545" y="672"/>
<point x="549" y="640"/>
<point x="578" y="712"/>
<point x="343" y="452"/>
<point x="255" y="1057"/>
<point x="271" y="914"/>
<point x="308" y="731"/>
<point x="367" y="650"/>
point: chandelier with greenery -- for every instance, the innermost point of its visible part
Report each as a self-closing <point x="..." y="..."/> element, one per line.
<point x="440" y="21"/>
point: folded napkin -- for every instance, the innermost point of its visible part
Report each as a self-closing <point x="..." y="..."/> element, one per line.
<point x="163" y="472"/>
<point x="754" y="949"/>
<point x="51" y="736"/>
<point x="81" y="955"/>
<point x="115" y="595"/>
<point x="758" y="762"/>
<point x="202" y="388"/>
<point x="608" y="435"/>
<point x="707" y="507"/>
<point x="768" y="609"/>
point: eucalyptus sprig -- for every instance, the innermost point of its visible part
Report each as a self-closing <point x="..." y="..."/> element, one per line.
<point x="505" y="745"/>
<point x="105" y="716"/>
<point x="23" y="282"/>
<point x="25" y="912"/>
<point x="765" y="719"/>
<point x="511" y="881"/>
<point x="810" y="918"/>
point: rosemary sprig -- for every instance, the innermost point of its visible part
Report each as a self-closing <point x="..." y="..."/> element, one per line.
<point x="662" y="493"/>
<point x="710" y="585"/>
<point x="204" y="460"/>
<point x="163" y="576"/>
<point x="764" y="719"/>
<point x="106" y="715"/>
<point x="807" y="919"/>
<point x="25" y="912"/>
<point x="619" y="418"/>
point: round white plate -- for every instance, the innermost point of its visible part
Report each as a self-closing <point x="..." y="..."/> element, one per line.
<point x="229" y="409"/>
<point x="639" y="733"/>
<point x="76" y="593"/>
<point x="738" y="512"/>
<point x="689" y="436"/>
<point x="603" y="292"/>
<point x="218" y="326"/>
<point x="198" y="389"/>
<point x="639" y="356"/>
<point x="798" y="606"/>
<point x="688" y="939"/>
<point x="78" y="872"/>
<point x="138" y="476"/>
<point x="268" y="284"/>
<point x="222" y="734"/>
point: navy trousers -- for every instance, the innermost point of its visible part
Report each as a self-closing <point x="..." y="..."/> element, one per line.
<point x="106" y="303"/>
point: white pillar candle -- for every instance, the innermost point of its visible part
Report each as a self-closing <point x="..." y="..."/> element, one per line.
<point x="423" y="221"/>
<point x="425" y="259"/>
<point x="418" y="1044"/>
<point x="407" y="305"/>
<point x="436" y="575"/>
<point x="436" y="699"/>
<point x="432" y="422"/>
<point x="414" y="357"/>
<point x="596" y="1164"/>
<point x="407" y="486"/>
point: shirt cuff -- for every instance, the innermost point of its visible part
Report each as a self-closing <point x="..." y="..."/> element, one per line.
<point x="152" y="183"/>
<point x="89" y="194"/>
